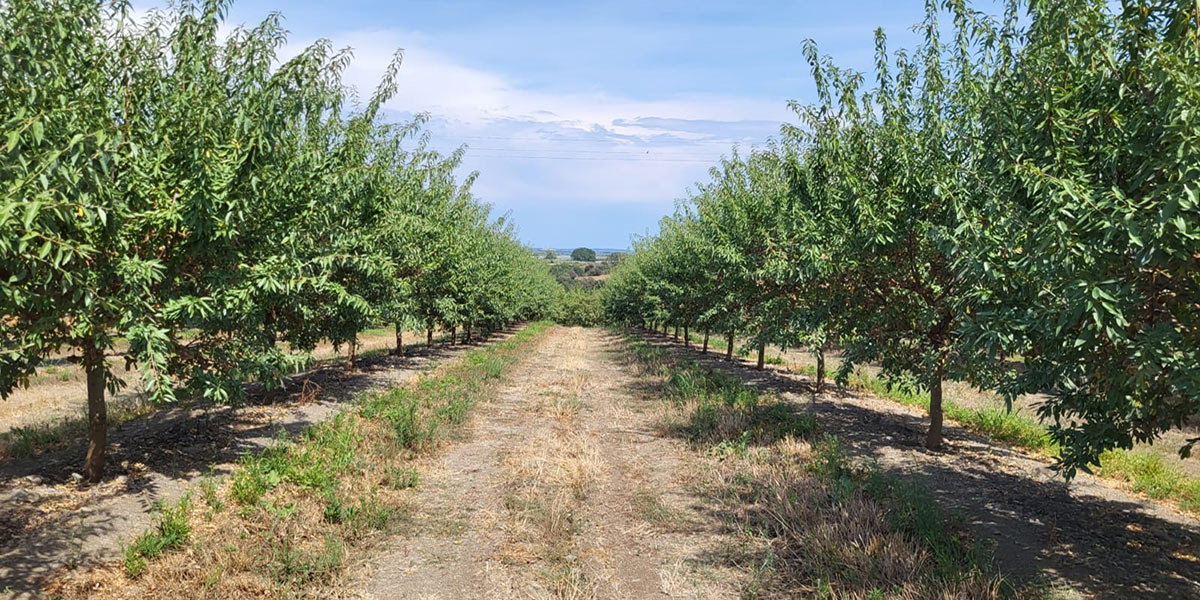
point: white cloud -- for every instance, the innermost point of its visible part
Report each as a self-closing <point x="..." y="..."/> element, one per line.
<point x="540" y="150"/>
<point x="573" y="153"/>
<point x="438" y="84"/>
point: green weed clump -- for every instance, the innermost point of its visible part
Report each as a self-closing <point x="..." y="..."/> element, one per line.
<point x="826" y="528"/>
<point x="723" y="410"/>
<point x="303" y="503"/>
<point x="170" y="532"/>
<point x="1148" y="473"/>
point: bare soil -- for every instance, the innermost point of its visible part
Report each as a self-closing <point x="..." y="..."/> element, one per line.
<point x="57" y="391"/>
<point x="48" y="523"/>
<point x="562" y="489"/>
<point x="569" y="484"/>
<point x="1085" y="536"/>
<point x="1167" y="446"/>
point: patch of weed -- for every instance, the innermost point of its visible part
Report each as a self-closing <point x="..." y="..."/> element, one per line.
<point x="399" y="477"/>
<point x="170" y="531"/>
<point x="344" y="470"/>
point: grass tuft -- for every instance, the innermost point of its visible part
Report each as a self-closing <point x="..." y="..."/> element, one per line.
<point x="304" y="504"/>
<point x="170" y="532"/>
<point x="824" y="527"/>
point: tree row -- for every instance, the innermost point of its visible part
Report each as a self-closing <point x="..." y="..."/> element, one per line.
<point x="222" y="209"/>
<point x="1013" y="203"/>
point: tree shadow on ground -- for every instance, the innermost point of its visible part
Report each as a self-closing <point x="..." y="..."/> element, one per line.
<point x="1099" y="541"/>
<point x="156" y="455"/>
<point x="35" y="543"/>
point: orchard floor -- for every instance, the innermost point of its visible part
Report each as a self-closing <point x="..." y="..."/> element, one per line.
<point x="566" y="484"/>
<point x="560" y="491"/>
<point x="1086" y="535"/>
<point x="48" y="524"/>
<point x="547" y="496"/>
<point x="57" y="390"/>
<point x="1167" y="446"/>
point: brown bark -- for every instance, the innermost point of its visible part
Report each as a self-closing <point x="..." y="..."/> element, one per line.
<point x="762" y="351"/>
<point x="729" y="348"/>
<point x="686" y="341"/>
<point x="453" y="335"/>
<point x="705" y="350"/>
<point x="353" y="352"/>
<point x="93" y="465"/>
<point x="429" y="337"/>
<point x="820" y="370"/>
<point x="677" y="333"/>
<point x="399" y="341"/>
<point x="933" y="440"/>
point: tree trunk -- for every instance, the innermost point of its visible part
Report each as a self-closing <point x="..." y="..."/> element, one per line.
<point x="820" y="370"/>
<point x="429" y="337"/>
<point x="729" y="348"/>
<point x="933" y="440"/>
<point x="677" y="333"/>
<point x="93" y="466"/>
<point x="705" y="350"/>
<point x="467" y="333"/>
<point x="686" y="340"/>
<point x="453" y="335"/>
<point x="762" y="351"/>
<point x="399" y="341"/>
<point x="353" y="351"/>
<point x="665" y="327"/>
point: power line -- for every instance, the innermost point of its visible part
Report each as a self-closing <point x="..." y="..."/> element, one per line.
<point x="614" y="152"/>
<point x="727" y="142"/>
<point x="597" y="158"/>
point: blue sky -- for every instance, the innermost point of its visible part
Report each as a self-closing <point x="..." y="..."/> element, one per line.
<point x="588" y="120"/>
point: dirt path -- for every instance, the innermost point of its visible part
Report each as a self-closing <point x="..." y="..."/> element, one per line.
<point x="562" y="490"/>
<point x="47" y="523"/>
<point x="1088" y="536"/>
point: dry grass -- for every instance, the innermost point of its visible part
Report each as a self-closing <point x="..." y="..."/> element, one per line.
<point x="43" y="419"/>
<point x="828" y="531"/>
<point x="546" y="481"/>
<point x="292" y="520"/>
<point x="285" y="540"/>
<point x="651" y="508"/>
<point x="52" y="409"/>
<point x="810" y="522"/>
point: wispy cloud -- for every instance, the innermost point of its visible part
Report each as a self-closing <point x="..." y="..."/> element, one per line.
<point x="536" y="148"/>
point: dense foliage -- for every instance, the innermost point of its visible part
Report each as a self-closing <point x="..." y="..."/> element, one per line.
<point x="175" y="185"/>
<point x="1021" y="185"/>
<point x="580" y="307"/>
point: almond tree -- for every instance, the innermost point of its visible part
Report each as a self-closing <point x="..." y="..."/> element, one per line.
<point x="901" y="156"/>
<point x="59" y="143"/>
<point x="1087" y="252"/>
<point x="173" y="184"/>
<point x="738" y="215"/>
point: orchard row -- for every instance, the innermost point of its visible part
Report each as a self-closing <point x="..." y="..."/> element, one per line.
<point x="1013" y="203"/>
<point x="220" y="207"/>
